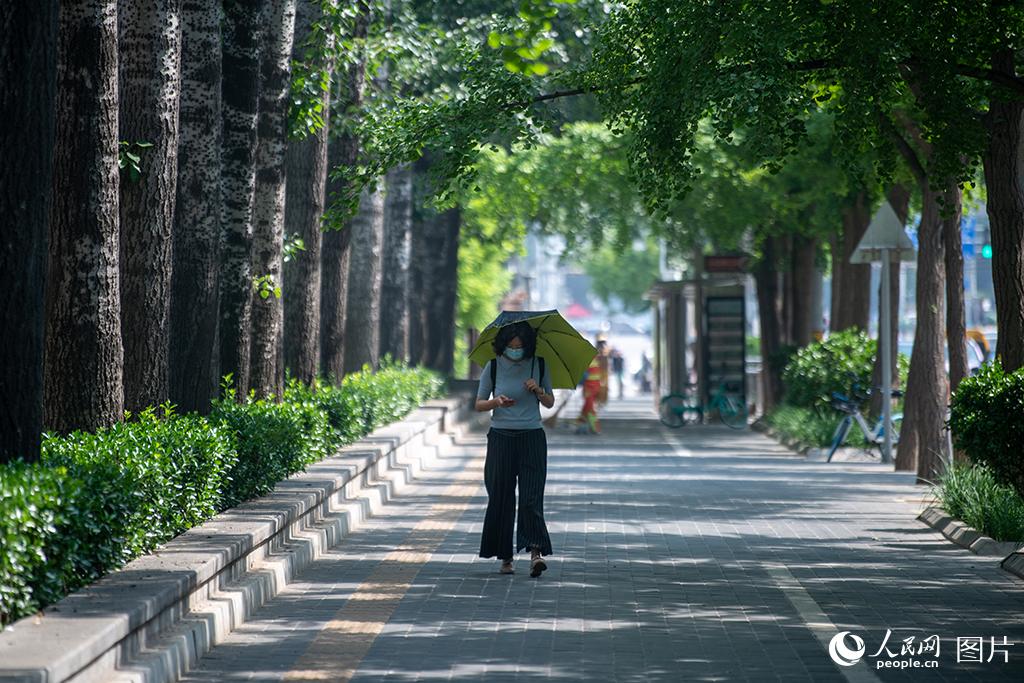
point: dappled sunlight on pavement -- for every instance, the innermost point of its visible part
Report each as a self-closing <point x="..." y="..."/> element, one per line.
<point x="701" y="553"/>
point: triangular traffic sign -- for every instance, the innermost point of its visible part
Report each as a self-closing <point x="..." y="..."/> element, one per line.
<point x="884" y="232"/>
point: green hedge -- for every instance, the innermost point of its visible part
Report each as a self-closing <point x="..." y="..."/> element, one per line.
<point x="95" y="501"/>
<point x="987" y="422"/>
<point x="832" y="364"/>
<point x="973" y="493"/>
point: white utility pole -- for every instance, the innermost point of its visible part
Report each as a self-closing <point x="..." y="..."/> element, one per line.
<point x="885" y="241"/>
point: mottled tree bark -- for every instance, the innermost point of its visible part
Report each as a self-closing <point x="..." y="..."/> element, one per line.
<point x="334" y="299"/>
<point x="268" y="205"/>
<point x="83" y="359"/>
<point x="193" y="355"/>
<point x="394" y="306"/>
<point x="922" y="442"/>
<point x="240" y="90"/>
<point x="362" y="322"/>
<point x="956" y="317"/>
<point x="440" y="290"/>
<point x="306" y="162"/>
<point x="851" y="282"/>
<point x="419" y="260"/>
<point x="787" y="296"/>
<point x="805" y="317"/>
<point x="767" y="282"/>
<point x="1004" y="182"/>
<point x="343" y="151"/>
<point x="149" y="43"/>
<point x="28" y="51"/>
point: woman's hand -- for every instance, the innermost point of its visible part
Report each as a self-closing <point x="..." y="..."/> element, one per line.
<point x="531" y="385"/>
<point x="504" y="401"/>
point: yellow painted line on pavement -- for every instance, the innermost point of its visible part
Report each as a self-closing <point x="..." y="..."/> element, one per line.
<point x="340" y="647"/>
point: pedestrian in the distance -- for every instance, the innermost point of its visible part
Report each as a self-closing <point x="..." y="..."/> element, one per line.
<point x="517" y="450"/>
<point x="619" y="369"/>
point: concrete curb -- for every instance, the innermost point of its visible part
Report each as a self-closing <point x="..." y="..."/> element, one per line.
<point x="966" y="537"/>
<point x="154" y="618"/>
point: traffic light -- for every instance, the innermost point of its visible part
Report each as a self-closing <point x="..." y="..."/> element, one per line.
<point x="986" y="251"/>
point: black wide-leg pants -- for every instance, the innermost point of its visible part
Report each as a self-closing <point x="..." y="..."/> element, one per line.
<point x="515" y="456"/>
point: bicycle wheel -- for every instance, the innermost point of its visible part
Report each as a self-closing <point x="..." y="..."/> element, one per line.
<point x="839" y="437"/>
<point x="733" y="413"/>
<point x="671" y="410"/>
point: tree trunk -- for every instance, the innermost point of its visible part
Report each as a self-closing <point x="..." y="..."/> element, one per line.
<point x="441" y="289"/>
<point x="1004" y="182"/>
<point x="805" y="318"/>
<point x="767" y="281"/>
<point x="922" y="441"/>
<point x="83" y="386"/>
<point x="851" y="283"/>
<point x="788" y="288"/>
<point x="149" y="37"/>
<point x="899" y="199"/>
<point x="343" y="152"/>
<point x="419" y="260"/>
<point x="956" y="318"/>
<point x="197" y="227"/>
<point x="268" y="205"/>
<point x="362" y="323"/>
<point x="394" y="306"/>
<point x="241" y="87"/>
<point x="28" y="50"/>
<point x="306" y="162"/>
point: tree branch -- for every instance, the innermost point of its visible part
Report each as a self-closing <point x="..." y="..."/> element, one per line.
<point x="905" y="150"/>
<point x="992" y="76"/>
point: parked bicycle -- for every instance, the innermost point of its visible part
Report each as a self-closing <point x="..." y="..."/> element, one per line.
<point x="850" y="406"/>
<point x="678" y="409"/>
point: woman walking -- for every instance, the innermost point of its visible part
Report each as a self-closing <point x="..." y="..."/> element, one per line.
<point x="517" y="450"/>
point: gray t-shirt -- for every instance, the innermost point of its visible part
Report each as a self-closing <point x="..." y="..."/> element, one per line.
<point x="525" y="413"/>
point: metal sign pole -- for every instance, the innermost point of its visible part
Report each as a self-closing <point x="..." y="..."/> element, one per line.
<point x="885" y="346"/>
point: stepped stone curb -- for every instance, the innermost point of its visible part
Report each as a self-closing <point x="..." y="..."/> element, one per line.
<point x="154" y="618"/>
<point x="966" y="537"/>
<point x="1014" y="563"/>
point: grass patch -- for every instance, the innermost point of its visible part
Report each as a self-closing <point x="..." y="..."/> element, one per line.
<point x="972" y="493"/>
<point x="811" y="428"/>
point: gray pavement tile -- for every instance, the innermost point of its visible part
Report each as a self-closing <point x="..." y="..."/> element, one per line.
<point x="663" y="542"/>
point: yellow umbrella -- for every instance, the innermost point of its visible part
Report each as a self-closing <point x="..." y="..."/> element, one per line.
<point x="565" y="352"/>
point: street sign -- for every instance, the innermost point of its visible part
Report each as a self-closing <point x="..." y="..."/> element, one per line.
<point x="885" y="232"/>
<point x="885" y="240"/>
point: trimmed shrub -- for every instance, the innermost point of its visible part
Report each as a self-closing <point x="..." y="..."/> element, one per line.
<point x="987" y="421"/>
<point x="973" y="493"/>
<point x="832" y="364"/>
<point x="274" y="440"/>
<point x="96" y="501"/>
<point x="31" y="509"/>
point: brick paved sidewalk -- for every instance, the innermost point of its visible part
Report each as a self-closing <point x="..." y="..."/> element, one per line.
<point x="698" y="554"/>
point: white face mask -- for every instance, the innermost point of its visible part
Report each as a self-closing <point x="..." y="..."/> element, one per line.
<point x="514" y="354"/>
